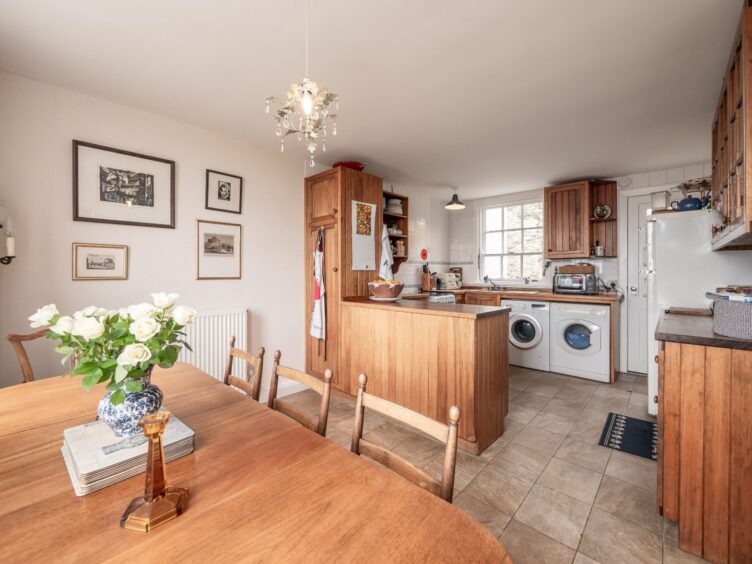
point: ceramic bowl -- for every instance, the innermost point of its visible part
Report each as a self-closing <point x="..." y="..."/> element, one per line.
<point x="392" y="290"/>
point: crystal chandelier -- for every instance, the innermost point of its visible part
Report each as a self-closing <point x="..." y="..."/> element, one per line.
<point x="306" y="111"/>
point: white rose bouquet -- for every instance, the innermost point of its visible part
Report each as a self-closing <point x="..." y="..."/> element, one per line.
<point x="119" y="347"/>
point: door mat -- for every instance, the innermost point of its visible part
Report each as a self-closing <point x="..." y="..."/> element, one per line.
<point x="630" y="435"/>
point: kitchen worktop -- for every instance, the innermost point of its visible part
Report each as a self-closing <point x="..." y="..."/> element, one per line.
<point x="425" y="307"/>
<point x="695" y="330"/>
<point x="542" y="294"/>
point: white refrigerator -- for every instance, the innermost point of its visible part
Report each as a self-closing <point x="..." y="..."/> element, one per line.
<point x="681" y="267"/>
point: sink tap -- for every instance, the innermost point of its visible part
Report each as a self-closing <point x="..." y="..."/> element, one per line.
<point x="491" y="283"/>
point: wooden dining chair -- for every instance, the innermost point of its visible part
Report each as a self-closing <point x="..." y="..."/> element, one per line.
<point x="322" y="388"/>
<point x="251" y="386"/>
<point x="445" y="433"/>
<point x="23" y="358"/>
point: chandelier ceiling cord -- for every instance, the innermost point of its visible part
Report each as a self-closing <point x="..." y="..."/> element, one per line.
<point x="306" y="110"/>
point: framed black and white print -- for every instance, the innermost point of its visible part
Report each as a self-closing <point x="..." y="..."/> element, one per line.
<point x="219" y="250"/>
<point x="116" y="186"/>
<point x="224" y="192"/>
<point x="92" y="261"/>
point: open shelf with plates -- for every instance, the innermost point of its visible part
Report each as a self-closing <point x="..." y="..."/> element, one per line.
<point x="397" y="225"/>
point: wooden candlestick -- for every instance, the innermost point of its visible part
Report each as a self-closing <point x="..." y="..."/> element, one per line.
<point x="160" y="503"/>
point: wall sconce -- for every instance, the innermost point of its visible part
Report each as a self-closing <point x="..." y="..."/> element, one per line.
<point x="6" y="227"/>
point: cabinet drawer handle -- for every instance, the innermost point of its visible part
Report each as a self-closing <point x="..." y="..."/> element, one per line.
<point x="334" y="269"/>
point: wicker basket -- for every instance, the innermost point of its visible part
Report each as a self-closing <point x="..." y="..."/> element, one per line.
<point x="731" y="318"/>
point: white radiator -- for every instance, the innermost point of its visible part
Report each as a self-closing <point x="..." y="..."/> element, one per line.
<point x="209" y="337"/>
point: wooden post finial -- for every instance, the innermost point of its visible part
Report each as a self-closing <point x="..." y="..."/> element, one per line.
<point x="362" y="379"/>
<point x="328" y="375"/>
<point x="454" y="415"/>
<point x="277" y="356"/>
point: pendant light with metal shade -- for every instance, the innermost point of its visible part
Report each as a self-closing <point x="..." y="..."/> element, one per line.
<point x="455" y="203"/>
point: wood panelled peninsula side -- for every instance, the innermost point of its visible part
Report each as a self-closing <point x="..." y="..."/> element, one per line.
<point x="705" y="438"/>
<point x="428" y="357"/>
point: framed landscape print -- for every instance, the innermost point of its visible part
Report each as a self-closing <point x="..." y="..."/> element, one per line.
<point x="115" y="186"/>
<point x="218" y="250"/>
<point x="224" y="192"/>
<point x="92" y="261"/>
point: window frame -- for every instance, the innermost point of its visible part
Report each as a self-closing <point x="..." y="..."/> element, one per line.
<point x="482" y="254"/>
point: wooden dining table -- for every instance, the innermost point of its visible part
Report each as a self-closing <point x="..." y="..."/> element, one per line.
<point x="262" y="488"/>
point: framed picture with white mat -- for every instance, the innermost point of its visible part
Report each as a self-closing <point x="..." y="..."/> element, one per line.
<point x="116" y="186"/>
<point x="224" y="192"/>
<point x="93" y="261"/>
<point x="218" y="250"/>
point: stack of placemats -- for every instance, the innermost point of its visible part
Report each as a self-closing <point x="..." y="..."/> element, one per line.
<point x="96" y="458"/>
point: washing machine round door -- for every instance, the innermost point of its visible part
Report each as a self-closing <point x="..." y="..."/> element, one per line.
<point x="582" y="337"/>
<point x="525" y="331"/>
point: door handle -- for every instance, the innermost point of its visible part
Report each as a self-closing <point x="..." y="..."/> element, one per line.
<point x="644" y="281"/>
<point x="633" y="290"/>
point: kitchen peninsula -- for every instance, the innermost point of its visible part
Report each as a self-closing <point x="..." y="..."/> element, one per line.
<point x="428" y="357"/>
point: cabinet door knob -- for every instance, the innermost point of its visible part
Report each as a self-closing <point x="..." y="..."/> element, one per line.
<point x="334" y="269"/>
<point x="334" y="211"/>
<point x="656" y="359"/>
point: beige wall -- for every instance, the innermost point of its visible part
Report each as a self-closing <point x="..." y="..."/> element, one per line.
<point x="37" y="124"/>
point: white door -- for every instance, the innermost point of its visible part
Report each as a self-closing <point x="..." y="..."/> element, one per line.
<point x="637" y="285"/>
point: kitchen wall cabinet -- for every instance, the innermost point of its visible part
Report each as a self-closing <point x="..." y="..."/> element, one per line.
<point x="731" y="160"/>
<point x="566" y="221"/>
<point x="570" y="227"/>
<point x="328" y="203"/>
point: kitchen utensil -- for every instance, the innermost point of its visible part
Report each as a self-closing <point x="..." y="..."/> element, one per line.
<point x="385" y="288"/>
<point x="660" y="200"/>
<point x="689" y="203"/>
<point x="602" y="211"/>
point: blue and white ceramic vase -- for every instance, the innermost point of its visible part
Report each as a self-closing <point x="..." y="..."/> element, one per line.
<point x="123" y="418"/>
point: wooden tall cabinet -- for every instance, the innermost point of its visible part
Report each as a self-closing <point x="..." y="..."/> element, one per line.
<point x="566" y="219"/>
<point x="328" y="204"/>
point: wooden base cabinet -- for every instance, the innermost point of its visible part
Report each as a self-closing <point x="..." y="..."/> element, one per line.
<point x="328" y="202"/>
<point x="705" y="448"/>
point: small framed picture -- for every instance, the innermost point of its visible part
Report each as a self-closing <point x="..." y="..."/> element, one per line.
<point x="92" y="261"/>
<point x="218" y="250"/>
<point x="116" y="186"/>
<point x="224" y="192"/>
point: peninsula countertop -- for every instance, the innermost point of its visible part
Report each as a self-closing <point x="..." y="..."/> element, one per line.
<point x="695" y="330"/>
<point x="425" y="307"/>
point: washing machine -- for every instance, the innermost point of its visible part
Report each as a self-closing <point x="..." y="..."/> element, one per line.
<point x="528" y="333"/>
<point x="580" y="340"/>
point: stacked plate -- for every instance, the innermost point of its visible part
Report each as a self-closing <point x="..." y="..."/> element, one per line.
<point x="96" y="458"/>
<point x="394" y="205"/>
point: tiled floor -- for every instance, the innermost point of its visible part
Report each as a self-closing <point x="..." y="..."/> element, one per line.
<point x="546" y="488"/>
